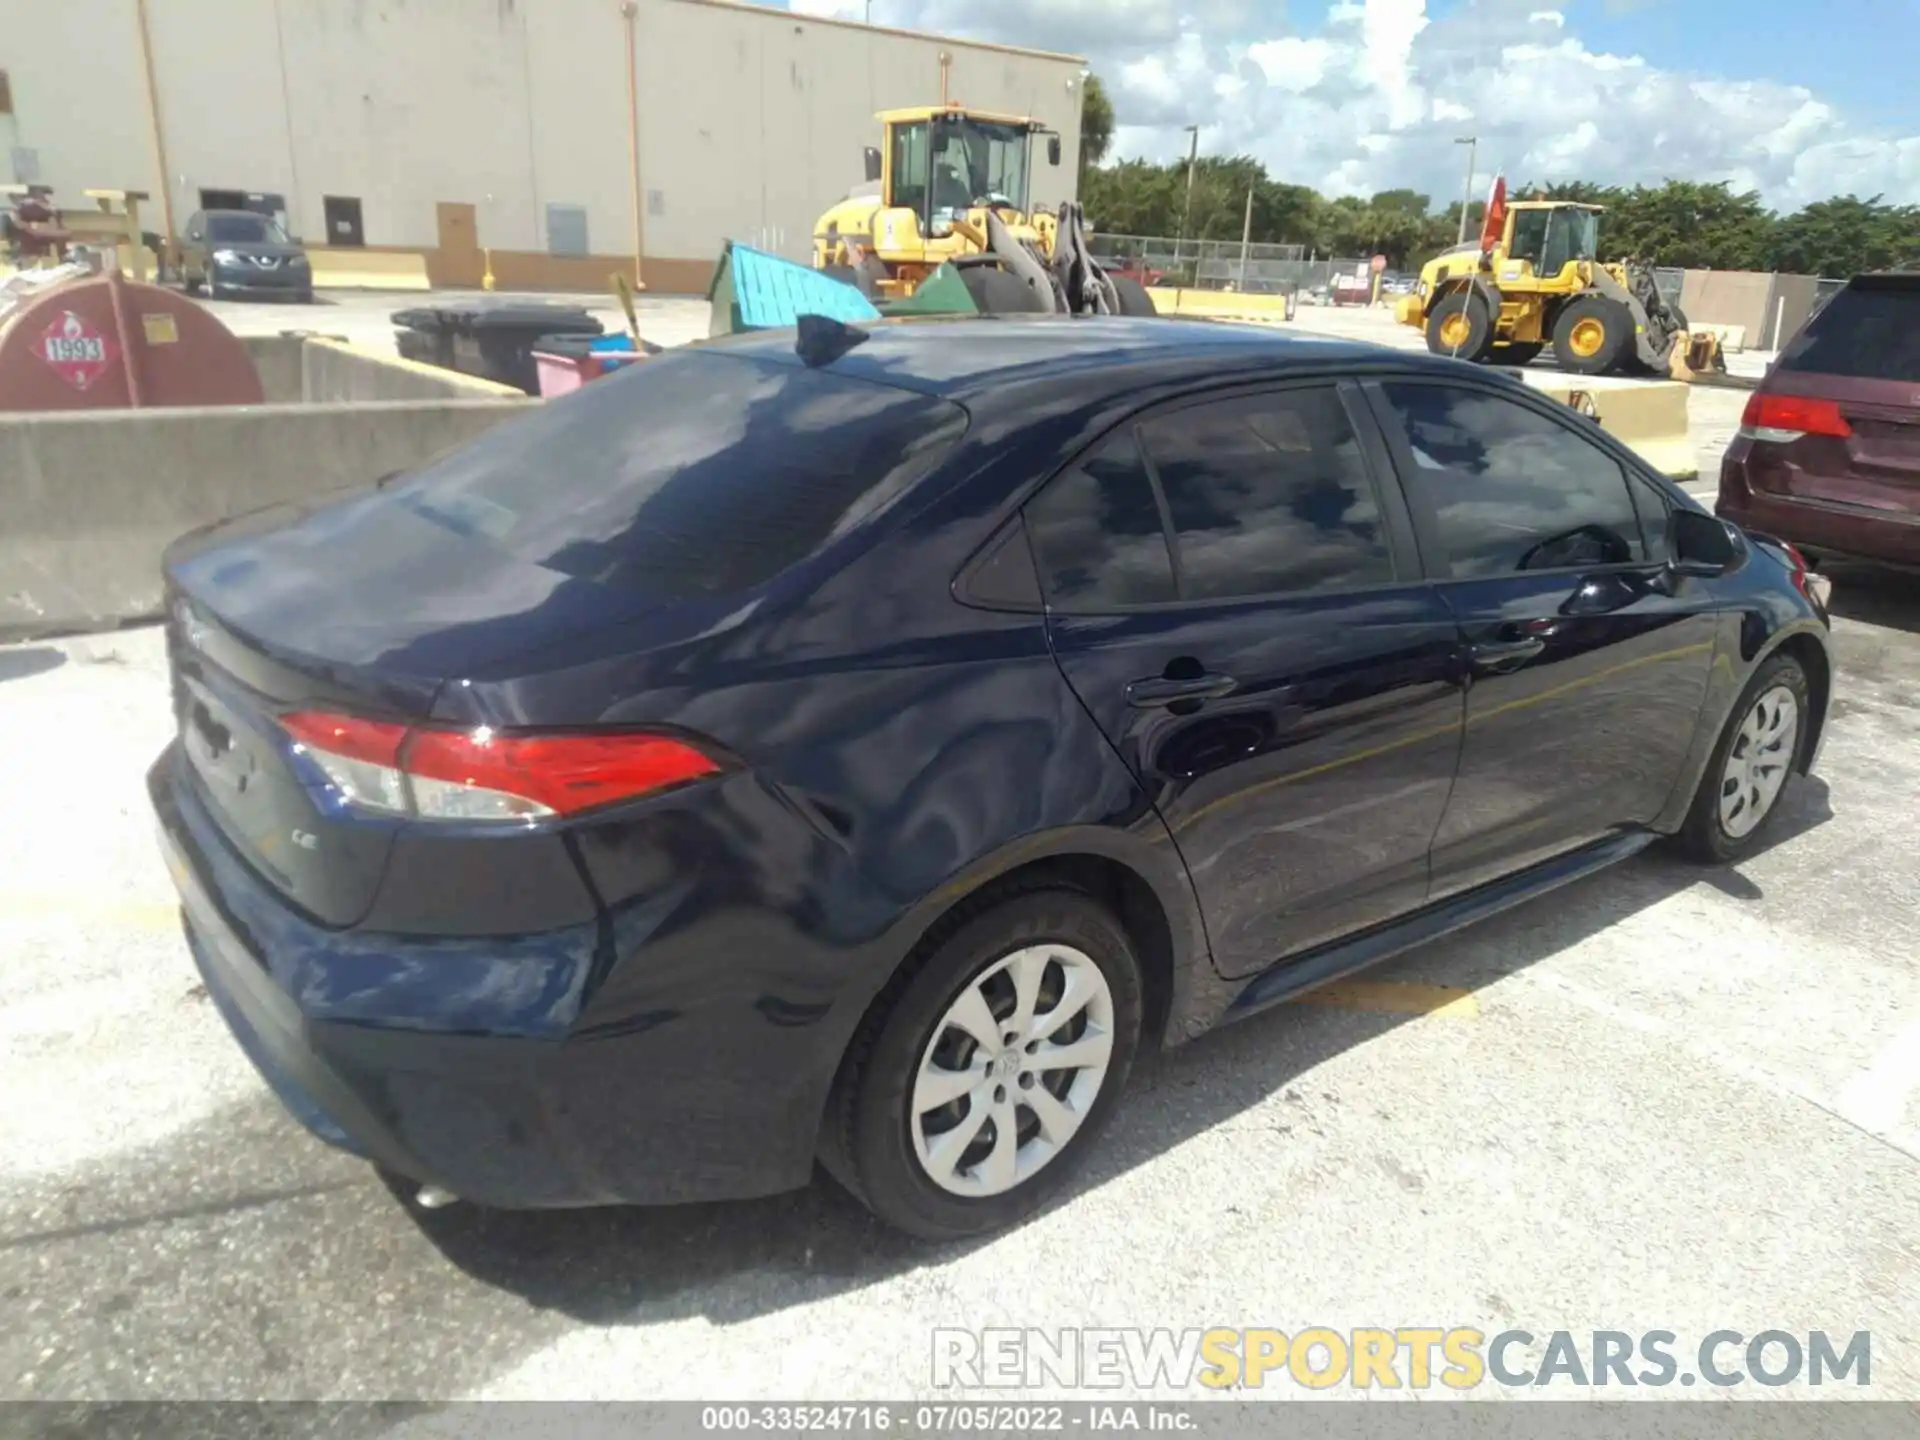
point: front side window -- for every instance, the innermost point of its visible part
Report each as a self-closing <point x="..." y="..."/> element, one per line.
<point x="910" y="168"/>
<point x="1529" y="236"/>
<point x="1097" y="535"/>
<point x="1269" y="495"/>
<point x="1510" y="490"/>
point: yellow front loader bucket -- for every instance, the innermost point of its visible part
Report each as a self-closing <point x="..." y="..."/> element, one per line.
<point x="1695" y="354"/>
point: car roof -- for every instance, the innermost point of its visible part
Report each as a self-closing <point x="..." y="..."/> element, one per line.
<point x="975" y="358"/>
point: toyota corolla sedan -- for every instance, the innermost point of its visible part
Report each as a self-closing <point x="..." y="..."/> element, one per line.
<point x="857" y="747"/>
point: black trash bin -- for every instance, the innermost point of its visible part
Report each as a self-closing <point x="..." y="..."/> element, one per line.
<point x="425" y="335"/>
<point x="496" y="342"/>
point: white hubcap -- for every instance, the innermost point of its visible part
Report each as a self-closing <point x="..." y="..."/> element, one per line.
<point x="1012" y="1069"/>
<point x="1758" y="761"/>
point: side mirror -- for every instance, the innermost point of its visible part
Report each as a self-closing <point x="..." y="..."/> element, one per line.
<point x="873" y="162"/>
<point x="1053" y="149"/>
<point x="1702" y="545"/>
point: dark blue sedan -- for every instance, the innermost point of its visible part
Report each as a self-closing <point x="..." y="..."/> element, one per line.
<point x="857" y="748"/>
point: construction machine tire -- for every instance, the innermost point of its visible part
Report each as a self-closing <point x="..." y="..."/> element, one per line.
<point x="1518" y="352"/>
<point x="1134" y="299"/>
<point x="1461" y="326"/>
<point x="1000" y="292"/>
<point x="845" y="274"/>
<point x="1592" y="336"/>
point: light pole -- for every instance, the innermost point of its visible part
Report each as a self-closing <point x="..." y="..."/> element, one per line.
<point x="1466" y="195"/>
<point x="1186" y="215"/>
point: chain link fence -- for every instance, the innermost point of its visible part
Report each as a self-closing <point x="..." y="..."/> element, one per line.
<point x="1219" y="264"/>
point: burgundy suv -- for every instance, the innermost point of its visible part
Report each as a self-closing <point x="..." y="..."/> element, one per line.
<point x="1828" y="453"/>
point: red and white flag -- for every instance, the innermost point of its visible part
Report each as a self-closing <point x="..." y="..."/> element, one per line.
<point x="1495" y="224"/>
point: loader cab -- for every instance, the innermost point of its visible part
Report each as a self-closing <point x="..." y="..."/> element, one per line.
<point x="940" y="163"/>
<point x="1548" y="236"/>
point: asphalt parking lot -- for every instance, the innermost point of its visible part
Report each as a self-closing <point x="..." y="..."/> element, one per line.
<point x="1665" y="1097"/>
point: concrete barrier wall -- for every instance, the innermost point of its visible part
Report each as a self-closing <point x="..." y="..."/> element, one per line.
<point x="352" y="268"/>
<point x="1220" y="305"/>
<point x="335" y="372"/>
<point x="1648" y="416"/>
<point x="277" y="359"/>
<point x="92" y="498"/>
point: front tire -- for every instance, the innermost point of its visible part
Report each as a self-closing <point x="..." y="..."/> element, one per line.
<point x="978" y="1082"/>
<point x="1592" y="335"/>
<point x="1460" y="325"/>
<point x="1740" y="792"/>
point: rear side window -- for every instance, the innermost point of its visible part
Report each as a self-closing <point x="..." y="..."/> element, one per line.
<point x="693" y="474"/>
<point x="1510" y="490"/>
<point x="1269" y="495"/>
<point x="1097" y="535"/>
<point x="1866" y="332"/>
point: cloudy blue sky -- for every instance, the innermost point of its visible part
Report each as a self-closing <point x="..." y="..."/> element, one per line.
<point x="1797" y="100"/>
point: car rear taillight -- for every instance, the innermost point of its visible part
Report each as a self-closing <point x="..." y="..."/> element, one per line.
<point x="1784" y="418"/>
<point x="484" y="775"/>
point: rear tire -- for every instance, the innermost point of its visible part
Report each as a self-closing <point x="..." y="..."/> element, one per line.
<point x="1751" y="765"/>
<point x="1134" y="299"/>
<point x="1460" y="326"/>
<point x="999" y="292"/>
<point x="1592" y="335"/>
<point x="914" y="1046"/>
<point x="1520" y="352"/>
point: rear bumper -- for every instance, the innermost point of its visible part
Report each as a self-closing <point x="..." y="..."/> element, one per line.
<point x="1824" y="529"/>
<point x="706" y="1093"/>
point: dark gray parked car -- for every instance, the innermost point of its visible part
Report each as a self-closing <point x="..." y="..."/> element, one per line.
<point x="235" y="253"/>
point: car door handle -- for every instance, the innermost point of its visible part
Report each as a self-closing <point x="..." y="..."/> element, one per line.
<point x="1495" y="656"/>
<point x="1158" y="691"/>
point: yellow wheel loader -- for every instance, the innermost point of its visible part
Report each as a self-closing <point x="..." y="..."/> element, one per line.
<point x="950" y="187"/>
<point x="1532" y="283"/>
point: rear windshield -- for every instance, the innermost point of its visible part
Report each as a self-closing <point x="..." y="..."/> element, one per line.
<point x="690" y="474"/>
<point x="1868" y="332"/>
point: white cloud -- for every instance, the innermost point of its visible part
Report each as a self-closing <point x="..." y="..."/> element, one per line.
<point x="1292" y="63"/>
<point x="1372" y="98"/>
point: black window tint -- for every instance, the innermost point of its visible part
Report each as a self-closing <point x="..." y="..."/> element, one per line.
<point x="1097" y="535"/>
<point x="1510" y="489"/>
<point x="1268" y="495"/>
<point x="1869" y="331"/>
<point x="1656" y="517"/>
<point x="1003" y="577"/>
<point x="695" y="473"/>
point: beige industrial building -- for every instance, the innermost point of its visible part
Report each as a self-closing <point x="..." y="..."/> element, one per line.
<point x="561" y="137"/>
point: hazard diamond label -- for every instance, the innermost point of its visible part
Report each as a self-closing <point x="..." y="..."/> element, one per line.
<point x="78" y="352"/>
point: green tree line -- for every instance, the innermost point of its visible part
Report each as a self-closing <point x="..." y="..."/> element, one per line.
<point x="1679" y="223"/>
